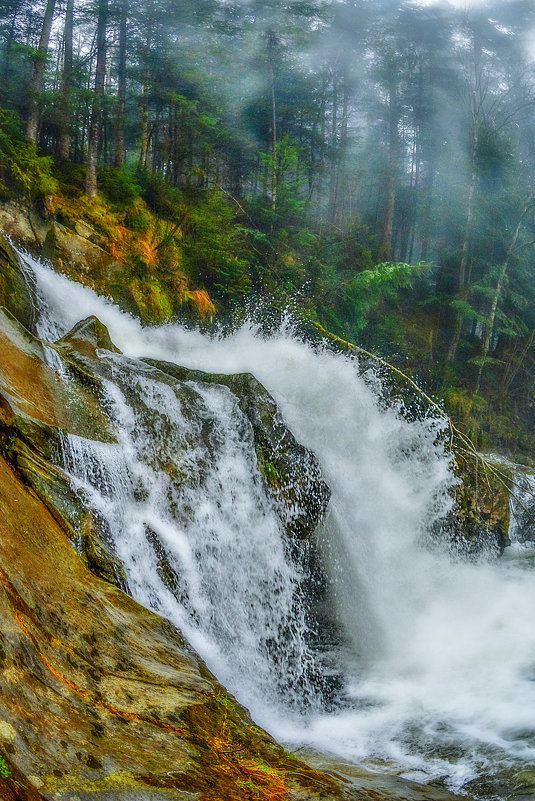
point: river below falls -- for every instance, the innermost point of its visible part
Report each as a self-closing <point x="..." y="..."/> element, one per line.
<point x="433" y="662"/>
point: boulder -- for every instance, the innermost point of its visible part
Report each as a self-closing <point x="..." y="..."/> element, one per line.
<point x="86" y="337"/>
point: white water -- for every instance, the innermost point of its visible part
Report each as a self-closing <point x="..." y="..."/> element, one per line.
<point x="438" y="656"/>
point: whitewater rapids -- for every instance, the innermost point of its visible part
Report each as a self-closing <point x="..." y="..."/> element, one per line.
<point x="437" y="656"/>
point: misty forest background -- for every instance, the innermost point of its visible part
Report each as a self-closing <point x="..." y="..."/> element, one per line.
<point x="370" y="162"/>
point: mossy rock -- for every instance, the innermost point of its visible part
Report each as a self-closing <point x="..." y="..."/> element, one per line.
<point x="79" y="251"/>
<point x="523" y="786"/>
<point x="86" y="337"/>
<point x="479" y="522"/>
<point x="291" y="473"/>
<point x="15" y="293"/>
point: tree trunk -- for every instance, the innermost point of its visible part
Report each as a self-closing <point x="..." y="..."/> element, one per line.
<point x="93" y="138"/>
<point x="465" y="251"/>
<point x="489" y="328"/>
<point x="64" y="144"/>
<point x="273" y="128"/>
<point x="38" y="69"/>
<point x="144" y="127"/>
<point x="334" y="151"/>
<point x="144" y="137"/>
<point x="119" y="148"/>
<point x="385" y="249"/>
<point x="341" y="184"/>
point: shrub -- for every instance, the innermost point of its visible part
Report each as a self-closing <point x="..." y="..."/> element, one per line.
<point x="119" y="185"/>
<point x="137" y="216"/>
<point x="158" y="194"/>
<point x="22" y="170"/>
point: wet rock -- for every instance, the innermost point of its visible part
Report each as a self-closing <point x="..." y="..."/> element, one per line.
<point x="86" y="337"/>
<point x="523" y="786"/>
<point x="62" y="397"/>
<point x="479" y="522"/>
<point x="129" y="712"/>
<point x="39" y="404"/>
<point x="367" y="785"/>
<point x="291" y="473"/>
<point x="15" y="294"/>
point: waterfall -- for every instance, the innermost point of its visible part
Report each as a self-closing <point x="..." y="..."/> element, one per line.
<point x="436" y="656"/>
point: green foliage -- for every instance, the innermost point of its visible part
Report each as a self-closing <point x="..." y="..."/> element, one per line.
<point x="223" y="700"/>
<point x="158" y="194"/>
<point x="5" y="770"/>
<point x="364" y="292"/>
<point x="119" y="185"/>
<point x="215" y="247"/>
<point x="22" y="170"/>
<point x="466" y="310"/>
<point x="137" y="217"/>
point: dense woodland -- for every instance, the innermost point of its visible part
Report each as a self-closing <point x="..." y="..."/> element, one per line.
<point x="371" y="162"/>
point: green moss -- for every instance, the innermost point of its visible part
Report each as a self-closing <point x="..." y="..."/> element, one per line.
<point x="137" y="217"/>
<point x="152" y="300"/>
<point x="223" y="699"/>
<point x="5" y="770"/>
<point x="273" y="477"/>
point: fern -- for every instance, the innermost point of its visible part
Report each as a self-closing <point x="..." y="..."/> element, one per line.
<point x="370" y="287"/>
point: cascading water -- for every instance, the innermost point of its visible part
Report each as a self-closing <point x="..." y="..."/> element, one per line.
<point x="208" y="531"/>
<point x="437" y="656"/>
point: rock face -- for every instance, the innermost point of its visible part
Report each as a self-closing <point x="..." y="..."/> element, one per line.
<point x="92" y="243"/>
<point x="291" y="473"/>
<point x="102" y="699"/>
<point x="14" y="292"/>
<point x="43" y="235"/>
<point x="480" y="519"/>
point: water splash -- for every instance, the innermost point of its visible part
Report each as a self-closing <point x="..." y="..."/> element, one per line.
<point x="437" y="658"/>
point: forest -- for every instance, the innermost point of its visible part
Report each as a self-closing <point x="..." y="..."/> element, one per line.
<point x="369" y="165"/>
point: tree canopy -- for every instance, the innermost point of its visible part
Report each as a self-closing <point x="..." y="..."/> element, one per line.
<point x="323" y="148"/>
